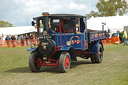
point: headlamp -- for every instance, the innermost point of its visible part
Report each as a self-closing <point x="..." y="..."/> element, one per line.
<point x="68" y="43"/>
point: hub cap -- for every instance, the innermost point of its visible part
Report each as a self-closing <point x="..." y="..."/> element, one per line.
<point x="66" y="62"/>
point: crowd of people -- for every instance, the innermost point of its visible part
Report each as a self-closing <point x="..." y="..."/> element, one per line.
<point x="121" y="37"/>
<point x="22" y="40"/>
<point x="27" y="39"/>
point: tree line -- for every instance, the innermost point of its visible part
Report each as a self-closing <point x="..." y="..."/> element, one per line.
<point x="5" y="24"/>
<point x="109" y="8"/>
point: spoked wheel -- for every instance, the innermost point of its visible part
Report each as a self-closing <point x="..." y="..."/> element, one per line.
<point x="34" y="62"/>
<point x="64" y="62"/>
<point x="98" y="57"/>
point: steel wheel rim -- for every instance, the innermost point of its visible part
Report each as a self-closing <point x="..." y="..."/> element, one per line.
<point x="37" y="63"/>
<point x="67" y="62"/>
<point x="100" y="54"/>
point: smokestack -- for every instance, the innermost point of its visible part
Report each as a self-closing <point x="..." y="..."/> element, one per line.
<point x="45" y="23"/>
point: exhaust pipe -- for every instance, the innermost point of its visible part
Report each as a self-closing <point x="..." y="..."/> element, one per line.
<point x="45" y="23"/>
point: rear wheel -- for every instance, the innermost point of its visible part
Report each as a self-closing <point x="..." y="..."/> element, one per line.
<point x="93" y="60"/>
<point x="64" y="62"/>
<point x="34" y="62"/>
<point x="97" y="58"/>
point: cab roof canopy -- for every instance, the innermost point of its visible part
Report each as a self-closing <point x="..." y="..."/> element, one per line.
<point x="61" y="16"/>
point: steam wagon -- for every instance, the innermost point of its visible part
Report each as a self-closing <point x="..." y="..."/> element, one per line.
<point x="63" y="37"/>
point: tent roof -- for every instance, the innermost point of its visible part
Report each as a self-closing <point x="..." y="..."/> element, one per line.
<point x="17" y="30"/>
<point x="112" y="22"/>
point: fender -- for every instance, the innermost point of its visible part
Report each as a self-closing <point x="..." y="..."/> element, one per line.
<point x="71" y="51"/>
<point x="31" y="49"/>
<point x="93" y="48"/>
<point x="102" y="45"/>
<point x="65" y="48"/>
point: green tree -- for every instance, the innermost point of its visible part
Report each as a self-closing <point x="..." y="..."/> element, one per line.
<point x="92" y="13"/>
<point x="110" y="8"/>
<point x="5" y="24"/>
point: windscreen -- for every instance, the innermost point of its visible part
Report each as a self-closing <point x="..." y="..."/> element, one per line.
<point x="54" y="23"/>
<point x="69" y="23"/>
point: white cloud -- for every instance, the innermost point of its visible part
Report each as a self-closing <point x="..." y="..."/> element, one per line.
<point x="55" y="6"/>
<point x="76" y="6"/>
<point x="16" y="11"/>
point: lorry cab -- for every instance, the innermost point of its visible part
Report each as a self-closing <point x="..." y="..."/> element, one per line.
<point x="62" y="37"/>
<point x="70" y="27"/>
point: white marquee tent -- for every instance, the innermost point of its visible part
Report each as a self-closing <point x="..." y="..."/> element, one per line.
<point x="17" y="30"/>
<point x="113" y="23"/>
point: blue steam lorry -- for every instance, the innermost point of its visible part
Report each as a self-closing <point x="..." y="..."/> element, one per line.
<point x="63" y="37"/>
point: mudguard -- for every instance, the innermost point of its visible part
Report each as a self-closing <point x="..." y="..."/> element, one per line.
<point x="71" y="51"/>
<point x="31" y="49"/>
<point x="65" y="48"/>
<point x="93" y="49"/>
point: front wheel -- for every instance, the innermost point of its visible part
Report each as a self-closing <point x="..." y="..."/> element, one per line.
<point x="33" y="62"/>
<point x="64" y="62"/>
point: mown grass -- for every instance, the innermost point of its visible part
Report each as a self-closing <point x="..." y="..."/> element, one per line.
<point x="13" y="57"/>
<point x="113" y="70"/>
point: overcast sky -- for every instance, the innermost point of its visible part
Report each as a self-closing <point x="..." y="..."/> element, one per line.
<point x="21" y="12"/>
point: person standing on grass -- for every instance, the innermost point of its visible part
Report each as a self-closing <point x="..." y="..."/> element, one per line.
<point x="26" y="39"/>
<point x="30" y="38"/>
<point x="8" y="40"/>
<point x="13" y="40"/>
<point x="125" y="37"/>
<point x="120" y="36"/>
<point x="0" y="41"/>
<point x="22" y="40"/>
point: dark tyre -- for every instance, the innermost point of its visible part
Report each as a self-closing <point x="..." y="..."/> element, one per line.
<point x="97" y="58"/>
<point x="93" y="59"/>
<point x="64" y="62"/>
<point x="99" y="55"/>
<point x="33" y="62"/>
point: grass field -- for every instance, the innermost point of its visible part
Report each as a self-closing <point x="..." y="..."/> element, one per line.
<point x="113" y="70"/>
